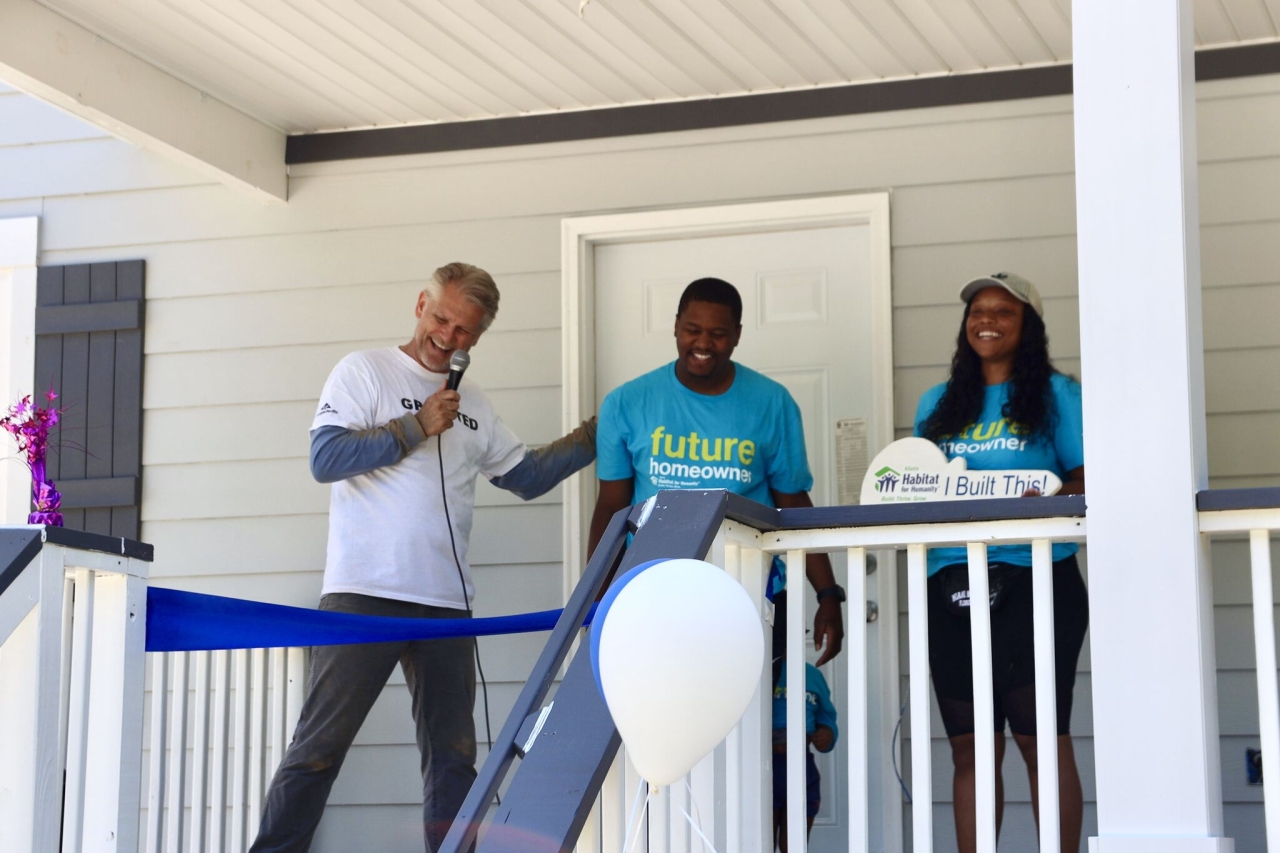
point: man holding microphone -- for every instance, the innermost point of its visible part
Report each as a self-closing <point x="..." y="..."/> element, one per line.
<point x="403" y="446"/>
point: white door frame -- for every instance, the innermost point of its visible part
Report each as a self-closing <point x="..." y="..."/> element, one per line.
<point x="19" y="249"/>
<point x="580" y="236"/>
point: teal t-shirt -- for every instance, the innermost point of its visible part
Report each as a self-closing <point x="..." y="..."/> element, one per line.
<point x="819" y="710"/>
<point x="748" y="440"/>
<point x="991" y="443"/>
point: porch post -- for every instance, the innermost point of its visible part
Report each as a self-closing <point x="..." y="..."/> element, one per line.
<point x="1154" y="684"/>
<point x="18" y="253"/>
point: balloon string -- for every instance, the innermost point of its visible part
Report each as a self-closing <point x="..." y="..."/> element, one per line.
<point x="693" y="798"/>
<point x="638" y="824"/>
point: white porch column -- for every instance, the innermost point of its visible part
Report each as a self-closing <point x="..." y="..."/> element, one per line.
<point x="1154" y="686"/>
<point x="18" y="253"/>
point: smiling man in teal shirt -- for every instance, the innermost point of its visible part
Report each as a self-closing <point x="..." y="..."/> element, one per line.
<point x="707" y="422"/>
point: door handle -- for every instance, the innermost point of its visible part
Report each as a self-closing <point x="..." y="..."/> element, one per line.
<point x="873" y="611"/>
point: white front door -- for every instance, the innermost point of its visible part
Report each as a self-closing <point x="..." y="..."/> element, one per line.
<point x="807" y="322"/>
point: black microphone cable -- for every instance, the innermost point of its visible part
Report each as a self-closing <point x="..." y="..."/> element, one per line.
<point x="475" y="641"/>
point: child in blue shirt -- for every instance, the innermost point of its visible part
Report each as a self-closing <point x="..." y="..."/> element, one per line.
<point x="820" y="727"/>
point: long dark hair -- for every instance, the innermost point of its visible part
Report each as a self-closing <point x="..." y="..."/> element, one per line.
<point x="1030" y="403"/>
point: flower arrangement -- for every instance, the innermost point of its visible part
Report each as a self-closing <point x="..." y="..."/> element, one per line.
<point x="29" y="424"/>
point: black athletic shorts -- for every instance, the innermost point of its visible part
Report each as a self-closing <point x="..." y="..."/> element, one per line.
<point x="1012" y="649"/>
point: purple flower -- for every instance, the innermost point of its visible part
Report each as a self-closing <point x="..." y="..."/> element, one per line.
<point x="29" y="425"/>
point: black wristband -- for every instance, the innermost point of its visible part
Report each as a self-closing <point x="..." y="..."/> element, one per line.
<point x="835" y="591"/>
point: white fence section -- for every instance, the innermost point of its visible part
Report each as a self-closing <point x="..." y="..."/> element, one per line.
<point x="72" y="634"/>
<point x="1259" y="524"/>
<point x="220" y="722"/>
<point x="732" y="788"/>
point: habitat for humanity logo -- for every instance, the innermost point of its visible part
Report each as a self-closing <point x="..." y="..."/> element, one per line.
<point x="886" y="479"/>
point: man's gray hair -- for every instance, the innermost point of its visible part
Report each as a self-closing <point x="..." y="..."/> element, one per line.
<point x="475" y="285"/>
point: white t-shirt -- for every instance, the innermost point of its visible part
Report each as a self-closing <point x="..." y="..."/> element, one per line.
<point x="387" y="531"/>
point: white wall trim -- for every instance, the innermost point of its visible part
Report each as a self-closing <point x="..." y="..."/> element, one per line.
<point x="19" y="241"/>
<point x="580" y="236"/>
<point x="59" y="61"/>
<point x="19" y="247"/>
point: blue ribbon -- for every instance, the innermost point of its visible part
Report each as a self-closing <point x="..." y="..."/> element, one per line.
<point x="180" y="621"/>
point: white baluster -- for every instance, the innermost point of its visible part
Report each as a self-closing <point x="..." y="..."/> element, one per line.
<point x="81" y="648"/>
<point x="733" y="746"/>
<point x="613" y="806"/>
<point x="257" y="739"/>
<point x="757" y="725"/>
<point x="855" y="725"/>
<point x="797" y="742"/>
<point x="221" y="747"/>
<point x="296" y="693"/>
<point x="918" y="649"/>
<point x="279" y="703"/>
<point x="984" y="738"/>
<point x="1264" y="639"/>
<point x="177" y="774"/>
<point x="660" y="822"/>
<point x="1046" y="694"/>
<point x="241" y="832"/>
<point x="200" y="753"/>
<point x="158" y="764"/>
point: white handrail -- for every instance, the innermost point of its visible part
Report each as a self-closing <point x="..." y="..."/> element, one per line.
<point x="745" y="554"/>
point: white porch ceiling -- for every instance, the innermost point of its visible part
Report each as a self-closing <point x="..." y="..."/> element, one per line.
<point x="302" y="66"/>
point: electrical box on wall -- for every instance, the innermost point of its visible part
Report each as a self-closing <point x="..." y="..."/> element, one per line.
<point x="1253" y="766"/>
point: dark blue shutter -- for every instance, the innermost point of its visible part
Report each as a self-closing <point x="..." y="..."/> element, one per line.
<point x="89" y="321"/>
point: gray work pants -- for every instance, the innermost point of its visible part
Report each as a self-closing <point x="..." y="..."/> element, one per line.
<point x="344" y="683"/>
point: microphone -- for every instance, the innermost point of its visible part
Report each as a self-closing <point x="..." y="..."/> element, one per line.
<point x="458" y="363"/>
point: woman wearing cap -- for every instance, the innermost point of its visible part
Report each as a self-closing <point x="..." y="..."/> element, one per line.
<point x="1006" y="407"/>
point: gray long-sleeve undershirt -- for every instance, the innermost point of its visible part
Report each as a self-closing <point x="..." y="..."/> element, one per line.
<point x="338" y="453"/>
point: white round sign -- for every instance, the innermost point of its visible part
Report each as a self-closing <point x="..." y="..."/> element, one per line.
<point x="914" y="469"/>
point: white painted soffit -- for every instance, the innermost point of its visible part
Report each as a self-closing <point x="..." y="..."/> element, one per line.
<point x="307" y="66"/>
<point x="59" y="61"/>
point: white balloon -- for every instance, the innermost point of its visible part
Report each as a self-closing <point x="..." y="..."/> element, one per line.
<point x="681" y="655"/>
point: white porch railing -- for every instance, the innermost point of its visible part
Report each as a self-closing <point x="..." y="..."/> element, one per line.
<point x="733" y="787"/>
<point x="1256" y="513"/>
<point x="73" y="669"/>
<point x="220" y="722"/>
<point x="72" y="634"/>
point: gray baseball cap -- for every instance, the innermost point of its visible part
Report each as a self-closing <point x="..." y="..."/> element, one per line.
<point x="1022" y="290"/>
